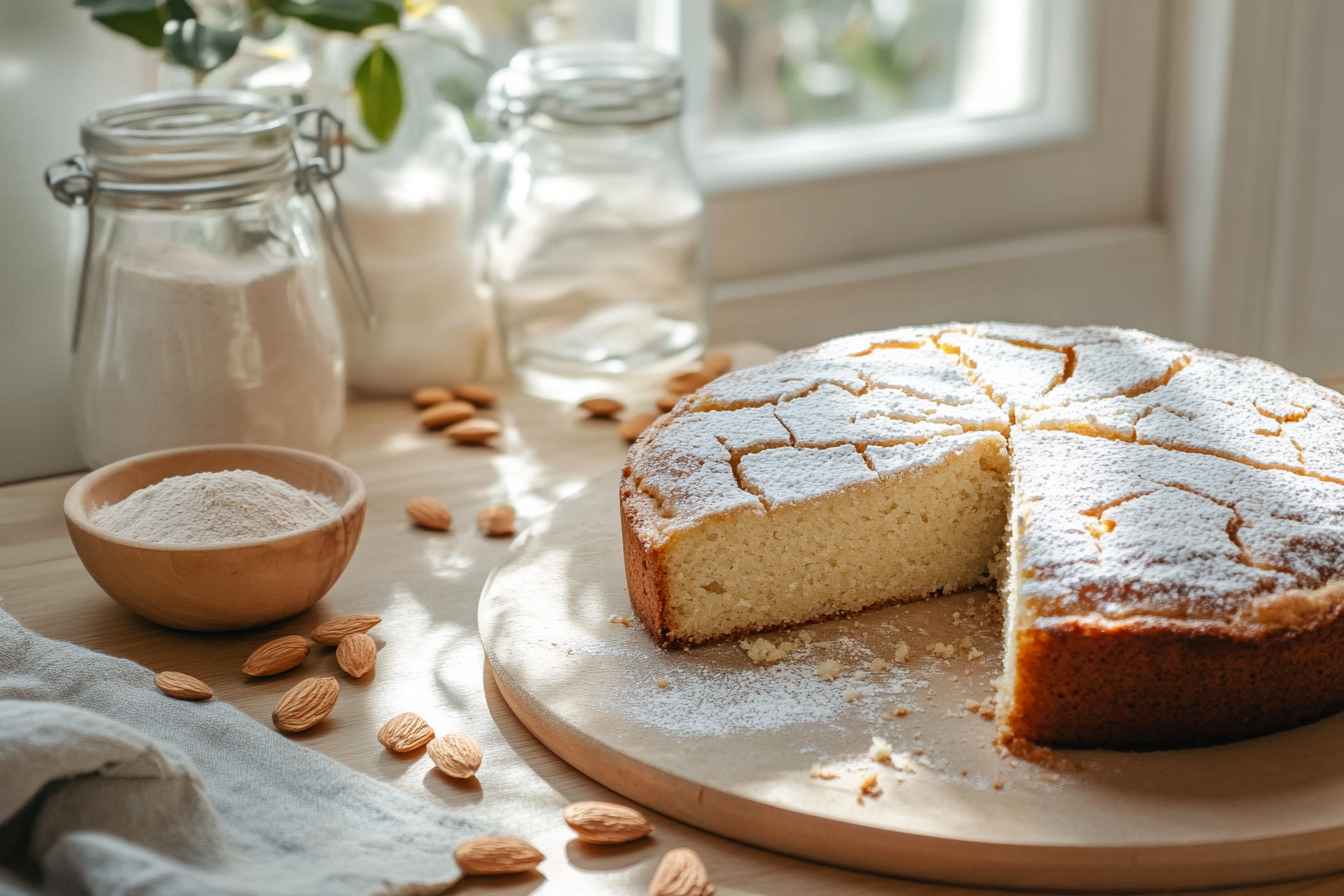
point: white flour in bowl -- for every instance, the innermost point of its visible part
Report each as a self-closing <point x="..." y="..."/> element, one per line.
<point x="214" y="508"/>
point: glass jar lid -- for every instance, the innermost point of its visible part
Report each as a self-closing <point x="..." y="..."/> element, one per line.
<point x="195" y="141"/>
<point x="586" y="83"/>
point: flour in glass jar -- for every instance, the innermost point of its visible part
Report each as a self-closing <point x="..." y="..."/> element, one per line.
<point x="214" y="508"/>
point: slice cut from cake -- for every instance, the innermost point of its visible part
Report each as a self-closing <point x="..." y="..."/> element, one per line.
<point x="1172" y="565"/>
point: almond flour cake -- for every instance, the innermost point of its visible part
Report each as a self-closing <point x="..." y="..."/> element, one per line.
<point x="1165" y="524"/>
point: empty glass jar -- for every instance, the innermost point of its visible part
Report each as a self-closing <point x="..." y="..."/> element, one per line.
<point x="591" y="247"/>
<point x="204" y="313"/>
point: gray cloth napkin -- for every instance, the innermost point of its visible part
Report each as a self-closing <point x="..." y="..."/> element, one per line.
<point x="107" y="786"/>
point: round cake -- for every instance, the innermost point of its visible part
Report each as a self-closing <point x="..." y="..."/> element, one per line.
<point x="1165" y="524"/>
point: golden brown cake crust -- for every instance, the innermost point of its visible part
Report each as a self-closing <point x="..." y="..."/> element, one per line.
<point x="1157" y="683"/>
<point x="643" y="574"/>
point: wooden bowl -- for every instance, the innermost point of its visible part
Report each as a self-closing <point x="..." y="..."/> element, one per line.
<point x="224" y="586"/>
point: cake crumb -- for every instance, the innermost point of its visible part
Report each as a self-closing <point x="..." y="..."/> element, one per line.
<point x="829" y="670"/>
<point x="901" y="653"/>
<point x="822" y="774"/>
<point x="869" y="786"/>
<point x="972" y="706"/>
<point x="878" y="666"/>
<point x="763" y="651"/>
<point x="942" y="650"/>
<point x="853" y="696"/>
<point x="998" y="785"/>
<point x="616" y="619"/>
<point x="880" y="750"/>
<point x="974" y="653"/>
<point x="661" y="682"/>
<point x="896" y="712"/>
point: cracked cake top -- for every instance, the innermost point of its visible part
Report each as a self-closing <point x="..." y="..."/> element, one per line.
<point x="1152" y="478"/>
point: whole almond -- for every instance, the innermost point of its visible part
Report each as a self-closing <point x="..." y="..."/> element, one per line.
<point x="181" y="686"/>
<point x="601" y="407"/>
<point x="405" y="732"/>
<point x="276" y="656"/>
<point x="307" y="703"/>
<point x="666" y="403"/>
<point x="687" y="381"/>
<point x="631" y="428"/>
<point x="499" y="521"/>
<point x="428" y="396"/>
<point x="473" y="432"/>
<point x="681" y="873"/>
<point x="333" y="630"/>
<point x="446" y="413"/>
<point x="597" y="822"/>
<point x="430" y="513"/>
<point x="456" y="755"/>
<point x="481" y="396"/>
<point x="496" y="855"/>
<point x="356" y="654"/>
<point x="716" y="364"/>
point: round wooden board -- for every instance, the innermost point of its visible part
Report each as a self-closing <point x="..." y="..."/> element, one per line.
<point x="729" y="746"/>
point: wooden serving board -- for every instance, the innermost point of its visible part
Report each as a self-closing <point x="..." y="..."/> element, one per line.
<point x="730" y="746"/>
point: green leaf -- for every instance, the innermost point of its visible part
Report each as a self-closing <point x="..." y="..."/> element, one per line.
<point x="140" y="20"/>
<point x="199" y="47"/>
<point x="378" y="85"/>
<point x="340" y="15"/>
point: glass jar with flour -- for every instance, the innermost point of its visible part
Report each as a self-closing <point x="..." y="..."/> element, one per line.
<point x="205" y="313"/>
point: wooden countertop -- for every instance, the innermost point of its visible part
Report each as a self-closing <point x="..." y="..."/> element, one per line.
<point x="425" y="586"/>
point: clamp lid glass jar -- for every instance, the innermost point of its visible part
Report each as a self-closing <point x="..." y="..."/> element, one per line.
<point x="592" y="244"/>
<point x="204" y="310"/>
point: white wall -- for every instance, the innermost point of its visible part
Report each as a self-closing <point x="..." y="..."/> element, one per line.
<point x="54" y="70"/>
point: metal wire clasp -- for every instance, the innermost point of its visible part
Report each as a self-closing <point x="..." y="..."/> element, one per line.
<point x="327" y="134"/>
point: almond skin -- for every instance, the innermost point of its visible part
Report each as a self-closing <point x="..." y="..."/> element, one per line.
<point x="481" y="396"/>
<point x="356" y="654"/>
<point x="496" y="855"/>
<point x="307" y="703"/>
<point x="716" y="364"/>
<point x="630" y="429"/>
<point x="597" y="822"/>
<point x="456" y="755"/>
<point x="428" y="396"/>
<point x="476" y="431"/>
<point x="599" y="407"/>
<point x="666" y="403"/>
<point x="333" y="630"/>
<point x="276" y="656"/>
<point x="681" y="873"/>
<point x="405" y="732"/>
<point x="499" y="521"/>
<point x="446" y="413"/>
<point x="181" y="686"/>
<point x="687" y="381"/>
<point x="430" y="513"/>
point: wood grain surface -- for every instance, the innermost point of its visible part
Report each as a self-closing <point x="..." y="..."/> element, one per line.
<point x="425" y="585"/>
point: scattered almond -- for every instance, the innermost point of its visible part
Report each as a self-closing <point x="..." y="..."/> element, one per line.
<point x="666" y="403"/>
<point x="473" y="432"/>
<point x="456" y="755"/>
<point x="716" y="364"/>
<point x="307" y="703"/>
<point x="445" y="414"/>
<point x="687" y="381"/>
<point x="681" y="873"/>
<point x="356" y="654"/>
<point x="604" y="408"/>
<point x="405" y="732"/>
<point x="481" y="396"/>
<point x="429" y="513"/>
<point x="499" y="521"/>
<point x="631" y="428"/>
<point x="181" y="686"/>
<point x="333" y="630"/>
<point x="276" y="656"/>
<point x="428" y="396"/>
<point x="597" y="822"/>
<point x="496" y="855"/>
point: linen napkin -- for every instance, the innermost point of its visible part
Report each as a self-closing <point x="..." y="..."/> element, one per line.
<point x="107" y="786"/>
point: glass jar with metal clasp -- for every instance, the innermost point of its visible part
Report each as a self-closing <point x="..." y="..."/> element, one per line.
<point x="591" y="246"/>
<point x="204" y="312"/>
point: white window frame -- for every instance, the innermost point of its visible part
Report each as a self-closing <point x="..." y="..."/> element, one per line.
<point x="1084" y="156"/>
